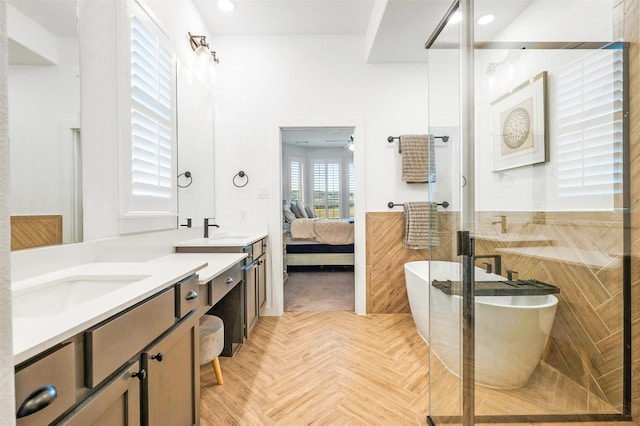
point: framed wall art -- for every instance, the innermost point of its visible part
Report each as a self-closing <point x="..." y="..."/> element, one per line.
<point x="519" y="129"/>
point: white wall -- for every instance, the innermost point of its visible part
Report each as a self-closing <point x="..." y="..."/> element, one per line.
<point x="262" y="79"/>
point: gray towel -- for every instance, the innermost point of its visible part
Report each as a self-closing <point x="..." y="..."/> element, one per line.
<point x="421" y="225"/>
<point x="418" y="158"/>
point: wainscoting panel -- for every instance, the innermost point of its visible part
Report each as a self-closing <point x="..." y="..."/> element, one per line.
<point x="35" y="231"/>
<point x="386" y="291"/>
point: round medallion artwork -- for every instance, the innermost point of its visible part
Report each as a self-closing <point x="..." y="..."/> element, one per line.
<point x="516" y="128"/>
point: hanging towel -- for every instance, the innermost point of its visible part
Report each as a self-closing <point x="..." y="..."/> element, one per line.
<point x="418" y="158"/>
<point x="421" y="225"/>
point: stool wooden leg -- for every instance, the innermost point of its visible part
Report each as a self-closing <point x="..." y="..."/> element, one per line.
<point x="216" y="367"/>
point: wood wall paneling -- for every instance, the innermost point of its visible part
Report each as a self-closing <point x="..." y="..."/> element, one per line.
<point x="35" y="231"/>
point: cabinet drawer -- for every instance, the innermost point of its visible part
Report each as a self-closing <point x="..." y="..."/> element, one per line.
<point x="113" y="342"/>
<point x="51" y="378"/>
<point x="224" y="282"/>
<point x="258" y="249"/>
<point x="190" y="295"/>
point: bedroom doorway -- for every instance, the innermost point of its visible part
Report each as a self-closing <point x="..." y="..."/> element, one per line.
<point x="318" y="200"/>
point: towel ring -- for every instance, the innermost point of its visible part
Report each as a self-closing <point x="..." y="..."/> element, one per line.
<point x="241" y="175"/>
<point x="187" y="175"/>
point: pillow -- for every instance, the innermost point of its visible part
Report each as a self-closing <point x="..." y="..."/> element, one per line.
<point x="310" y="213"/>
<point x="288" y="214"/>
<point x="303" y="210"/>
<point x="295" y="210"/>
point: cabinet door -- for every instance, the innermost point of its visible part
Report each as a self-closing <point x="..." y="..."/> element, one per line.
<point x="171" y="391"/>
<point x="251" y="301"/>
<point x="262" y="282"/>
<point x="116" y="403"/>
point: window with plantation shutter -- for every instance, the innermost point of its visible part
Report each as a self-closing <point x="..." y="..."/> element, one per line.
<point x="590" y="128"/>
<point x="352" y="190"/>
<point x="148" y="184"/>
<point x="151" y="114"/>
<point x="326" y="189"/>
<point x="296" y="180"/>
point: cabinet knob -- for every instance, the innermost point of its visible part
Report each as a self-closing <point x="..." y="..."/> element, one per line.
<point x="229" y="280"/>
<point x="141" y="375"/>
<point x="39" y="399"/>
<point x="192" y="295"/>
<point x="157" y="357"/>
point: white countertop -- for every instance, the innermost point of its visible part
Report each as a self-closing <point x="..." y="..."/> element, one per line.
<point x="217" y="262"/>
<point x="34" y="334"/>
<point x="224" y="239"/>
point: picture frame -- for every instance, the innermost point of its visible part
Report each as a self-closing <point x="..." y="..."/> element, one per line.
<point x="519" y="125"/>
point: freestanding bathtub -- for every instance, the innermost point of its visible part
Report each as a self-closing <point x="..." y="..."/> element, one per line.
<point x="510" y="331"/>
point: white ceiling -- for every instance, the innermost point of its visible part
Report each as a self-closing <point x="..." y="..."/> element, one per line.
<point x="396" y="29"/>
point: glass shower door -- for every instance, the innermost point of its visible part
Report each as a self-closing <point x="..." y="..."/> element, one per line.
<point x="446" y="331"/>
<point x="536" y="172"/>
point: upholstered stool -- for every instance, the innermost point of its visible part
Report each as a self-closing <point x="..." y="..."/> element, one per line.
<point x="211" y="342"/>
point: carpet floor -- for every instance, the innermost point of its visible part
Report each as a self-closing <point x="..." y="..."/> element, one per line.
<point x="319" y="291"/>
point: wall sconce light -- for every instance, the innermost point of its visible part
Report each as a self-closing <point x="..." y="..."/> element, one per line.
<point x="200" y="46"/>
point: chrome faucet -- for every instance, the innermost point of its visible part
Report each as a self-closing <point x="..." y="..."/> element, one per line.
<point x="503" y="224"/>
<point x="207" y="225"/>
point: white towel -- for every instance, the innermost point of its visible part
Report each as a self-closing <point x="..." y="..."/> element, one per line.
<point x="418" y="158"/>
<point x="421" y="225"/>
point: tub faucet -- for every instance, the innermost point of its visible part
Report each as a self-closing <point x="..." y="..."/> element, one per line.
<point x="497" y="262"/>
<point x="503" y="224"/>
<point x="207" y="225"/>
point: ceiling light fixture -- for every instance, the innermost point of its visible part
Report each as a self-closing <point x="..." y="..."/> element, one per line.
<point x="486" y="19"/>
<point x="200" y="46"/>
<point x="226" y="5"/>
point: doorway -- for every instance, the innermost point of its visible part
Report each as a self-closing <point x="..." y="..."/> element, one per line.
<point x="318" y="210"/>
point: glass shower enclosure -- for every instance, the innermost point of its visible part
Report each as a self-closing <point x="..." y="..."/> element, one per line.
<point x="529" y="306"/>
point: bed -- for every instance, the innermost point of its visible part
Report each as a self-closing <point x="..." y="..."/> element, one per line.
<point x="319" y="242"/>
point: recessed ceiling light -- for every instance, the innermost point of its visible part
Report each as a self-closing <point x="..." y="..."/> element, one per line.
<point x="486" y="19"/>
<point x="226" y="5"/>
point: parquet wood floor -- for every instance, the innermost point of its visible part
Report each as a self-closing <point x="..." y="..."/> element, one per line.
<point x="338" y="368"/>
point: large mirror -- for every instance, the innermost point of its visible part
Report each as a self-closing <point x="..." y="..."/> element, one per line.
<point x="44" y="122"/>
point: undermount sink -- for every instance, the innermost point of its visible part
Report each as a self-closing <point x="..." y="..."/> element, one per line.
<point x="53" y="297"/>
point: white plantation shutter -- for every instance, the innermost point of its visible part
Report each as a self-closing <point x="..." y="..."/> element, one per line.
<point x="352" y="190"/>
<point x="296" y="181"/>
<point x="151" y="114"/>
<point x="326" y="189"/>
<point x="590" y="127"/>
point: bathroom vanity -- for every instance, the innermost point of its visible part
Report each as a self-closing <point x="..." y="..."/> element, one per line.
<point x="254" y="245"/>
<point x="129" y="355"/>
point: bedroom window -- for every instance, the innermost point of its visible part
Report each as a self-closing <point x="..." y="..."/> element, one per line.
<point x="296" y="180"/>
<point x="326" y="189"/>
<point x="352" y="190"/>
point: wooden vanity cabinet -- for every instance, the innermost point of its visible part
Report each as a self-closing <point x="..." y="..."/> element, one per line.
<point x="171" y="390"/>
<point x="254" y="278"/>
<point x="116" y="404"/>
